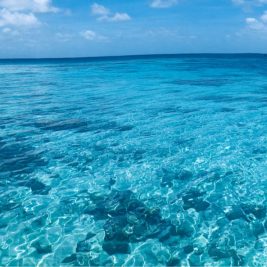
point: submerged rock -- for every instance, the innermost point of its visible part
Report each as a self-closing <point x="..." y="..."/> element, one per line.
<point x="36" y="186"/>
<point x="20" y="158"/>
<point x="115" y="247"/>
<point x="42" y="248"/>
<point x="173" y="262"/>
<point x="70" y="259"/>
<point x="194" y="199"/>
<point x="257" y="228"/>
<point x="218" y="253"/>
<point x="248" y="212"/>
<point x="258" y="210"/>
<point x="234" y="212"/>
<point x="128" y="220"/>
<point x="125" y="128"/>
<point x="188" y="249"/>
<point x="168" y="176"/>
<point x="61" y="125"/>
<point x="39" y="222"/>
<point x="83" y="246"/>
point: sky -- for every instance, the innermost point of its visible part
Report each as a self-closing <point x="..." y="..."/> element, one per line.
<point x="85" y="28"/>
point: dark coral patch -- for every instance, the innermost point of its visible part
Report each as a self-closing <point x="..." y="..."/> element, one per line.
<point x="61" y="125"/>
<point x="42" y="248"/>
<point x="168" y="176"/>
<point x="128" y="220"/>
<point x="194" y="199"/>
<point x="36" y="186"/>
<point x="19" y="157"/>
<point x="70" y="259"/>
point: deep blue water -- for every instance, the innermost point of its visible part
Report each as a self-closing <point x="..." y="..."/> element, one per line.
<point x="134" y="161"/>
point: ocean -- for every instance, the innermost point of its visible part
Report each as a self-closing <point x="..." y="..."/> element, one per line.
<point x="134" y="161"/>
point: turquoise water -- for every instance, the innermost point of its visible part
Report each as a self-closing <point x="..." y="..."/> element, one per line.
<point x="135" y="161"/>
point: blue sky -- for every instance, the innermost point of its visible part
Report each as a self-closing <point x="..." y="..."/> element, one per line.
<point x="72" y="28"/>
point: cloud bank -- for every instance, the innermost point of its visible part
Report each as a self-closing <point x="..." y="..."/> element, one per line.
<point x="35" y="6"/>
<point x="22" y="13"/>
<point x="163" y="3"/>
<point x="258" y="23"/>
<point x="8" y="18"/>
<point x="90" y="35"/>
<point x="104" y="14"/>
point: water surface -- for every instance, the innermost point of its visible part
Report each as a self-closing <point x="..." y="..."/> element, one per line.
<point x="136" y="161"/>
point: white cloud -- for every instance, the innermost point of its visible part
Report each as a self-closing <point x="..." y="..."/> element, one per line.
<point x="88" y="35"/>
<point x="21" y="13"/>
<point x="163" y="3"/>
<point x="264" y="17"/>
<point x="99" y="10"/>
<point x="258" y="23"/>
<point x="249" y="2"/>
<point x="120" y="17"/>
<point x="254" y="24"/>
<point x="8" y="18"/>
<point x="92" y="36"/>
<point x="116" y="17"/>
<point x="8" y="31"/>
<point x="104" y="14"/>
<point x="35" y="6"/>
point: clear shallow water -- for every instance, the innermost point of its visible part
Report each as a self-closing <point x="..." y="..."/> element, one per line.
<point x="134" y="161"/>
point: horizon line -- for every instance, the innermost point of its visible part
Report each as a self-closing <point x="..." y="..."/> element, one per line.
<point x="133" y="56"/>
